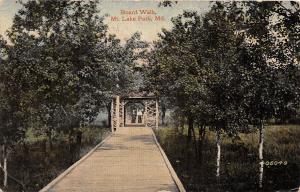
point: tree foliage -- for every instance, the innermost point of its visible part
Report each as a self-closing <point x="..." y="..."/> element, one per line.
<point x="234" y="67"/>
<point x="60" y="67"/>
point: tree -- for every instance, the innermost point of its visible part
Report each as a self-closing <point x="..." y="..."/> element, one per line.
<point x="72" y="65"/>
<point x="196" y="64"/>
<point x="235" y="66"/>
<point x="126" y="62"/>
<point x="270" y="61"/>
<point x="221" y="52"/>
<point x="71" y="70"/>
<point x="3" y="108"/>
<point x="14" y="108"/>
<point x="60" y="68"/>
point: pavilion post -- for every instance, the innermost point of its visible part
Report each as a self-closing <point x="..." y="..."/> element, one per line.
<point x="112" y="115"/>
<point x="117" y="112"/>
<point x="146" y="113"/>
<point x="122" y="123"/>
<point x="156" y="113"/>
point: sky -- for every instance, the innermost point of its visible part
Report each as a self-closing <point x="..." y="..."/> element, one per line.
<point x="123" y="28"/>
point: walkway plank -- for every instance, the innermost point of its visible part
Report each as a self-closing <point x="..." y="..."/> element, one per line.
<point x="130" y="160"/>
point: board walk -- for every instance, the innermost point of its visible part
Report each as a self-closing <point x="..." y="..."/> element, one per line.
<point x="128" y="160"/>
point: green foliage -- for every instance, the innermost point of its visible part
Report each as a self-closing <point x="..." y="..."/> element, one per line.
<point x="35" y="165"/>
<point x="12" y="102"/>
<point x="196" y="65"/>
<point x="230" y="67"/>
<point x="62" y="66"/>
<point x="272" y="87"/>
<point x="239" y="167"/>
<point x="167" y="3"/>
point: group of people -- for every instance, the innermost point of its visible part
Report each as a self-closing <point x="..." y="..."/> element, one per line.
<point x="137" y="116"/>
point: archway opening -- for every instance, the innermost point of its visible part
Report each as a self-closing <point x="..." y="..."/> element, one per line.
<point x="134" y="113"/>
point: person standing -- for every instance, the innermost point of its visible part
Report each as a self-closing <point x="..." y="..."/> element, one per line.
<point x="140" y="115"/>
<point x="133" y="117"/>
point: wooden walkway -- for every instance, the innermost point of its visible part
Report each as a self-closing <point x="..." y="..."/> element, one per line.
<point x="129" y="160"/>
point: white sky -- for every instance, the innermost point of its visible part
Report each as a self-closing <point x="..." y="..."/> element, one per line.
<point x="123" y="29"/>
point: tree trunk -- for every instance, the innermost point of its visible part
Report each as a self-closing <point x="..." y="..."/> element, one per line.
<point x="181" y="124"/>
<point x="70" y="140"/>
<point x="189" y="139"/>
<point x="176" y="125"/>
<point x="44" y="146"/>
<point x="79" y="138"/>
<point x="202" y="133"/>
<point x="163" y="114"/>
<point x="260" y="153"/>
<point x="218" y="141"/>
<point x="25" y="149"/>
<point x="5" y="172"/>
<point x="71" y="146"/>
<point x="195" y="143"/>
<point x="1" y="156"/>
<point x="190" y="128"/>
<point x="108" y="107"/>
<point x="50" y="141"/>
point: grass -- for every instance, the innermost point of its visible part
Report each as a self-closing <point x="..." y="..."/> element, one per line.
<point x="35" y="165"/>
<point x="239" y="160"/>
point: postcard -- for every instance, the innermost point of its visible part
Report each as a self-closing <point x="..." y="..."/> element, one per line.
<point x="149" y="96"/>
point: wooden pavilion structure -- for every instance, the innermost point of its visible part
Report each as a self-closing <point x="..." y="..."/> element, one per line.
<point x="134" y="111"/>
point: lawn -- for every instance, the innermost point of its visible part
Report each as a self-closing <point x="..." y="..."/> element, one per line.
<point x="239" y="160"/>
<point x="32" y="164"/>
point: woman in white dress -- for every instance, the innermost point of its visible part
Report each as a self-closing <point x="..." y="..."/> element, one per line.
<point x="139" y="115"/>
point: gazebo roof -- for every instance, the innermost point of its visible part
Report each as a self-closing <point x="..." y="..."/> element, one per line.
<point x="138" y="95"/>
